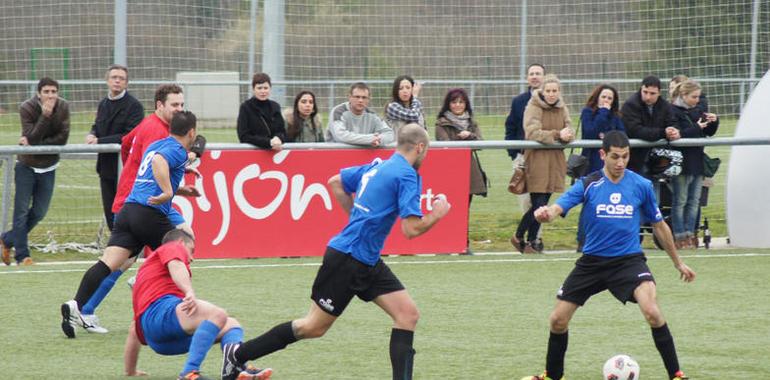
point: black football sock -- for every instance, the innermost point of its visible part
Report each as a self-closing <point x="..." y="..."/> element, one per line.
<point x="402" y="353"/>
<point x="554" y="361"/>
<point x="91" y="281"/>
<point x="276" y="339"/>
<point x="665" y="344"/>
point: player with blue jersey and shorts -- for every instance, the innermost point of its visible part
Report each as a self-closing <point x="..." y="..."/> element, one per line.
<point x="374" y="195"/>
<point x="616" y="201"/>
<point x="143" y="220"/>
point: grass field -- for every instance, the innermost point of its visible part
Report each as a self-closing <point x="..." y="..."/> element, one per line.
<point x="482" y="317"/>
<point x="75" y="213"/>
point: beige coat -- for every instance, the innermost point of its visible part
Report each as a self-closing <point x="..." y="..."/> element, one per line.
<point x="445" y="131"/>
<point x="546" y="168"/>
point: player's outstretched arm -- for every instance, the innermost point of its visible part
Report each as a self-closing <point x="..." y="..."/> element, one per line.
<point x="663" y="233"/>
<point x="131" y="353"/>
<point x="547" y="214"/>
<point x="345" y="200"/>
<point x="415" y="226"/>
<point x="181" y="278"/>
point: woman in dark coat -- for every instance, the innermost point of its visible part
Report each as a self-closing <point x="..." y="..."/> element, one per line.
<point x="687" y="185"/>
<point x="455" y="122"/>
<point x="260" y="122"/>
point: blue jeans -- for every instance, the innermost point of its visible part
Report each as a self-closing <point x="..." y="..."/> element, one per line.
<point x="30" y="187"/>
<point x="684" y="204"/>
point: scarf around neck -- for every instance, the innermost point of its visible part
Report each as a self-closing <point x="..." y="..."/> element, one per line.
<point x="679" y="102"/>
<point x="461" y="122"/>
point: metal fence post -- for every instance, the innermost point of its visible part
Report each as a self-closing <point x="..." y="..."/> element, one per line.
<point x="7" y="162"/>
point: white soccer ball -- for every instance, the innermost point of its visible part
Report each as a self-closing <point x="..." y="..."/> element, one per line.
<point x="621" y="367"/>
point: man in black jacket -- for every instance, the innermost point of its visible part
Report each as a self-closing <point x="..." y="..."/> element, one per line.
<point x="647" y="116"/>
<point x="118" y="113"/>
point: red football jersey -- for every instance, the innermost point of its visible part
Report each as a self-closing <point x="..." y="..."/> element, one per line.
<point x="132" y="148"/>
<point x="154" y="281"/>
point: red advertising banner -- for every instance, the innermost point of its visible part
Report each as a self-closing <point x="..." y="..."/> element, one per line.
<point x="265" y="204"/>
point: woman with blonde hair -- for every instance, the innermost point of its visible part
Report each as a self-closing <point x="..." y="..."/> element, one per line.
<point x="546" y="120"/>
<point x="692" y="123"/>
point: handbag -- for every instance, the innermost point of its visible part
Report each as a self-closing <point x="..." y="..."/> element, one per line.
<point x="577" y="164"/>
<point x="710" y="165"/>
<point x="518" y="183"/>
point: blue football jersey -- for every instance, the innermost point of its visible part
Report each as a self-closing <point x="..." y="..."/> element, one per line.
<point x="613" y="212"/>
<point x="383" y="191"/>
<point x="145" y="185"/>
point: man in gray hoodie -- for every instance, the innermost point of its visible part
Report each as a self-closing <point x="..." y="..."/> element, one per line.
<point x="353" y="123"/>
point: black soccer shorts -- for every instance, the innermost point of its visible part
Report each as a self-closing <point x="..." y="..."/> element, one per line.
<point x="137" y="226"/>
<point x="341" y="277"/>
<point x="594" y="274"/>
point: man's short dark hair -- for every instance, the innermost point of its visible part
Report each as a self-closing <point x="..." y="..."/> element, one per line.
<point x="161" y="94"/>
<point x="46" y="81"/>
<point x="117" y="67"/>
<point x="540" y="65"/>
<point x="651" y="81"/>
<point x="182" y="122"/>
<point x="615" y="139"/>
<point x="359" y="86"/>
<point x="260" y="78"/>
<point x="178" y="234"/>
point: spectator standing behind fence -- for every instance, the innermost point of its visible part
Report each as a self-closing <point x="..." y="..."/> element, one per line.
<point x="117" y="114"/>
<point x="353" y="123"/>
<point x="599" y="116"/>
<point x="692" y="122"/>
<point x="45" y="120"/>
<point x="404" y="107"/>
<point x="260" y="122"/>
<point x="455" y="122"/>
<point x="303" y="124"/>
<point x="546" y="120"/>
<point x="694" y="112"/>
<point x="514" y="123"/>
<point x="647" y="116"/>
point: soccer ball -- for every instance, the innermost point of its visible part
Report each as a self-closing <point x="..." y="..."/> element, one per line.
<point x="621" y="367"/>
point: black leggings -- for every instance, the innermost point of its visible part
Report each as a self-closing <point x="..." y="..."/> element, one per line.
<point x="528" y="222"/>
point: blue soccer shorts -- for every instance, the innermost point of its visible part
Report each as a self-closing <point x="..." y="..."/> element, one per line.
<point x="161" y="327"/>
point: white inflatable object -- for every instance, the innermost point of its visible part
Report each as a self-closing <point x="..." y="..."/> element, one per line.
<point x="748" y="175"/>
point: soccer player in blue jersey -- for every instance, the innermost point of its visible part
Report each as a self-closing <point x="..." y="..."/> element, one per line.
<point x="144" y="219"/>
<point x="615" y="200"/>
<point x="374" y="195"/>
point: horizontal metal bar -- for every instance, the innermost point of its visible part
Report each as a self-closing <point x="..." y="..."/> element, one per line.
<point x="487" y="144"/>
<point x="370" y="81"/>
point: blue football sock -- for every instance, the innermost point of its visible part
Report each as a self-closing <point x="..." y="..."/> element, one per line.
<point x="101" y="292"/>
<point x="202" y="340"/>
<point x="234" y="335"/>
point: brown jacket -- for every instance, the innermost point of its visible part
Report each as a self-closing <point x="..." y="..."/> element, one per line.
<point x="445" y="131"/>
<point x="546" y="168"/>
<point x="41" y="130"/>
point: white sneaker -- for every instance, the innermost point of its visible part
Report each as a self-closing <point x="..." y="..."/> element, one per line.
<point x="70" y="318"/>
<point x="92" y="325"/>
<point x="131" y="281"/>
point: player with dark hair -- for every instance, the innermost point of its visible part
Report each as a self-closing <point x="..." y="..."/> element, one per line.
<point x="144" y="219"/>
<point x="171" y="320"/>
<point x="616" y="199"/>
<point x="374" y="195"/>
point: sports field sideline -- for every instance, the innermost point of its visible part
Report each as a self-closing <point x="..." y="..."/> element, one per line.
<point x="482" y="317"/>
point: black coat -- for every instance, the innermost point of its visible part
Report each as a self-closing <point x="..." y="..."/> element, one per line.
<point x="260" y="121"/>
<point x="114" y="119"/>
<point x="686" y="123"/>
<point x="641" y="125"/>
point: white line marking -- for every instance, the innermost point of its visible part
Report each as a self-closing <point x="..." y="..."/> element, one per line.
<point x="389" y="262"/>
